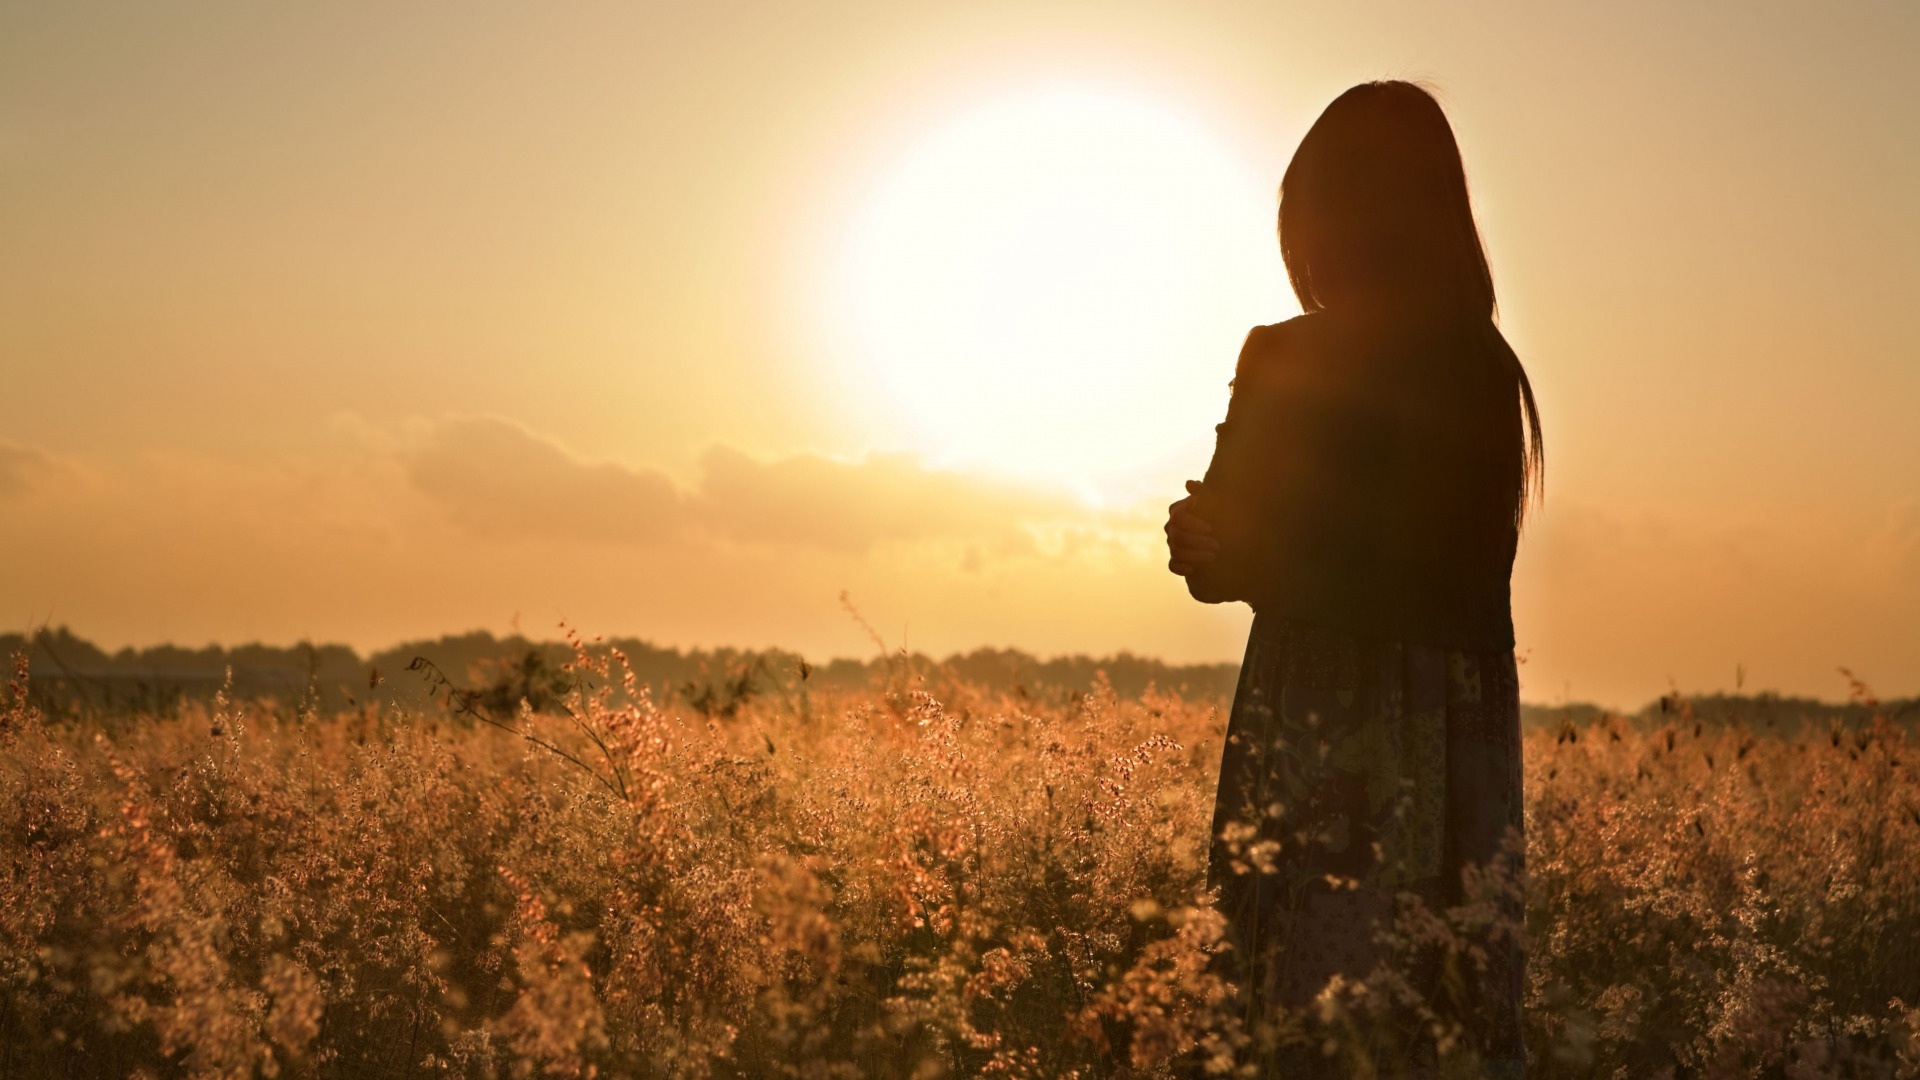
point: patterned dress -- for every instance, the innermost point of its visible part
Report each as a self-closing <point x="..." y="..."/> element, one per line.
<point x="1356" y="771"/>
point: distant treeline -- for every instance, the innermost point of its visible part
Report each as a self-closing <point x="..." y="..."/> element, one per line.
<point x="1765" y="712"/>
<point x="71" y="674"/>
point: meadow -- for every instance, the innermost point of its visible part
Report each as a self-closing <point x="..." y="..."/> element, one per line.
<point x="922" y="876"/>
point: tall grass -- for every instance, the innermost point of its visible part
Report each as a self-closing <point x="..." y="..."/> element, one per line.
<point x="920" y="879"/>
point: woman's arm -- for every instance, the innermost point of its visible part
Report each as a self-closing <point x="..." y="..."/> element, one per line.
<point x="1221" y="536"/>
<point x="1264" y="499"/>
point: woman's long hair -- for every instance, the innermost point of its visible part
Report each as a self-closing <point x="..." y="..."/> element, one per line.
<point x="1374" y="211"/>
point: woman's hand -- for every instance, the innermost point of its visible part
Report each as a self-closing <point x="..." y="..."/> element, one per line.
<point x="1190" y="541"/>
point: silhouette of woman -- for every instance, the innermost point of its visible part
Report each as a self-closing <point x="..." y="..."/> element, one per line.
<point x="1365" y="497"/>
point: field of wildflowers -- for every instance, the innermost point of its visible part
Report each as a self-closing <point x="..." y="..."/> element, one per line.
<point x="920" y="879"/>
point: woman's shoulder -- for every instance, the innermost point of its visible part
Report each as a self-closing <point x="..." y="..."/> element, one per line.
<point x="1282" y="352"/>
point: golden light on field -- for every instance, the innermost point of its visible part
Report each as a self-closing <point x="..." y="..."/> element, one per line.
<point x="1056" y="282"/>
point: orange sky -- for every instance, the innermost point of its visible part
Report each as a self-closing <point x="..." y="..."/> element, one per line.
<point x="363" y="322"/>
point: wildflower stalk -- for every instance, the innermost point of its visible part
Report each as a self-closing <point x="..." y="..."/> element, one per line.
<point x="462" y="702"/>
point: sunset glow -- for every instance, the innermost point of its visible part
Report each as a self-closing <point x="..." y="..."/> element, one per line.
<point x="1057" y="281"/>
<point x="326" y="322"/>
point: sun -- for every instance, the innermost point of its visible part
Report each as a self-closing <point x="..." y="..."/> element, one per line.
<point x="1055" y="283"/>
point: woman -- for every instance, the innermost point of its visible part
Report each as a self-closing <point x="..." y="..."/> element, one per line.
<point x="1365" y="497"/>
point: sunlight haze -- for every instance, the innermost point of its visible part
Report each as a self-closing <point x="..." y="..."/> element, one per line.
<point x="1044" y="284"/>
<point x="362" y="322"/>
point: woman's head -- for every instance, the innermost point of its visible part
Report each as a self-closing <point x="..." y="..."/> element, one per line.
<point x="1374" y="208"/>
<point x="1374" y="216"/>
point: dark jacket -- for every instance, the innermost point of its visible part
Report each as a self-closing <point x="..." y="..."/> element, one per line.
<point x="1365" y="479"/>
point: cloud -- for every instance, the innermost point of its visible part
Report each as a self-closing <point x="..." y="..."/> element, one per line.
<point x="496" y="478"/>
<point x="27" y="469"/>
<point x="1617" y="599"/>
<point x="385" y="533"/>
<point x="851" y="505"/>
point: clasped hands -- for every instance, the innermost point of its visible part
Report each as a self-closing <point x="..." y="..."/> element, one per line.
<point x="1190" y="540"/>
